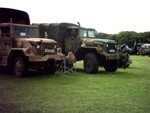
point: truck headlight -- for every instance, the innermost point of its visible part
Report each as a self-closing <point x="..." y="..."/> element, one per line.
<point x="19" y="44"/>
<point x="38" y="46"/>
<point x="106" y="45"/>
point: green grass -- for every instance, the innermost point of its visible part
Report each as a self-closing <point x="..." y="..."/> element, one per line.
<point x="124" y="91"/>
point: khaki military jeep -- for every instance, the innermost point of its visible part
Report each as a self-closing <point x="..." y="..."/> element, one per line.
<point x="20" y="50"/>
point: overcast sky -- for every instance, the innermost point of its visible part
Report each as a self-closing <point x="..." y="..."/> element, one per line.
<point x="107" y="16"/>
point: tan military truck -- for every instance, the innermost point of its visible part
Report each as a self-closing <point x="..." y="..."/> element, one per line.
<point x="20" y="49"/>
<point x="83" y="43"/>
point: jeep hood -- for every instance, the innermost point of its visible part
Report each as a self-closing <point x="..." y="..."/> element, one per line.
<point x="36" y="40"/>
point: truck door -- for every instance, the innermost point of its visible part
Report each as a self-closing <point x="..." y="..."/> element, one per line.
<point x="71" y="40"/>
<point x="5" y="41"/>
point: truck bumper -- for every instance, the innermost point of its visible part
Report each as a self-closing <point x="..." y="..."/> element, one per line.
<point x="112" y="56"/>
<point x="44" y="58"/>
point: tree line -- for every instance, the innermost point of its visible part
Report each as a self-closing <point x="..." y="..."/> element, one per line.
<point x="127" y="37"/>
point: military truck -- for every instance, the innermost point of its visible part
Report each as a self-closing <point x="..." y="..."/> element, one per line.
<point x="83" y="43"/>
<point x="21" y="49"/>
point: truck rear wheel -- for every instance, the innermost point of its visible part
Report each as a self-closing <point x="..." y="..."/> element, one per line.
<point x="91" y="63"/>
<point x="20" y="68"/>
<point x="111" y="66"/>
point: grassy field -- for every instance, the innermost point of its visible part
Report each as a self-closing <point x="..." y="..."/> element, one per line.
<point x="124" y="91"/>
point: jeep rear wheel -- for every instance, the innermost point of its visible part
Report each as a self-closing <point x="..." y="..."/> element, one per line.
<point x="111" y="66"/>
<point x="20" y="68"/>
<point x="91" y="63"/>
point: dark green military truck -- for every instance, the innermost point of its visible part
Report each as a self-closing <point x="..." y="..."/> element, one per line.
<point x="83" y="43"/>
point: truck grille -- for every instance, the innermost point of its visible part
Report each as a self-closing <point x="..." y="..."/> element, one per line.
<point x="112" y="48"/>
<point x="47" y="46"/>
<point x="44" y="48"/>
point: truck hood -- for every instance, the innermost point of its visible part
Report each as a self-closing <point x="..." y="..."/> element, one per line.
<point x="36" y="40"/>
<point x="96" y="41"/>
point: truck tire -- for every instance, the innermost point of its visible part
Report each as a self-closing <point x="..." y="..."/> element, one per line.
<point x="51" y="67"/>
<point x="50" y="70"/>
<point x="91" y="63"/>
<point x="121" y="62"/>
<point x="111" y="66"/>
<point x="127" y="65"/>
<point x="20" y="67"/>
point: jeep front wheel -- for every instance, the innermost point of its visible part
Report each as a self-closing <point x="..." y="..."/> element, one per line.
<point x="91" y="63"/>
<point x="111" y="66"/>
<point x="20" y="68"/>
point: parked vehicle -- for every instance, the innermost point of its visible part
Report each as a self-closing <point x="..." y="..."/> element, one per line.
<point x="145" y="49"/>
<point x="125" y="60"/>
<point x="83" y="43"/>
<point x="138" y="48"/>
<point x="21" y="49"/>
<point x="125" y="48"/>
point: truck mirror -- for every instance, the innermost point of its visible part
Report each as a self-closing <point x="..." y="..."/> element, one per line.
<point x="46" y="35"/>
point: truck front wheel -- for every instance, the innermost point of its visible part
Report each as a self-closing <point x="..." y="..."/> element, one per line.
<point x="111" y="66"/>
<point x="50" y="70"/>
<point x="20" y="68"/>
<point x="91" y="63"/>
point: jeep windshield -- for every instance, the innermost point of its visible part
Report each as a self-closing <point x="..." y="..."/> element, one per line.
<point x="22" y="31"/>
<point x="87" y="33"/>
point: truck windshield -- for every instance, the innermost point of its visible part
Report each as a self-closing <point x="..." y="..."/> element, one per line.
<point x="91" y="33"/>
<point x="87" y="33"/>
<point x="26" y="31"/>
<point x="83" y="33"/>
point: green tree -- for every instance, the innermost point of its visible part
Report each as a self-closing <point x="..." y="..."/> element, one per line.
<point x="127" y="37"/>
<point x="144" y="37"/>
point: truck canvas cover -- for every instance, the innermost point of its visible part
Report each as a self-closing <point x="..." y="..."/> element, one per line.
<point x="17" y="16"/>
<point x="56" y="31"/>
